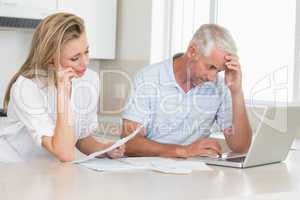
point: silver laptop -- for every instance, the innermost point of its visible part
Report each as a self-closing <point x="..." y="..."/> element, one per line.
<point x="271" y="142"/>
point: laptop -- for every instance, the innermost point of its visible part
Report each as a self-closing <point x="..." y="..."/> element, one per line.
<point x="275" y="131"/>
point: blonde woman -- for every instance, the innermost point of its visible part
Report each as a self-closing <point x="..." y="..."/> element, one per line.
<point x="51" y="102"/>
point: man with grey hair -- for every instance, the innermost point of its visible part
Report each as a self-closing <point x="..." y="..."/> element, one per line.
<point x="183" y="97"/>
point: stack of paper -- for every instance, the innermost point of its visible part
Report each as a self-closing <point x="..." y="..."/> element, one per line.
<point x="164" y="165"/>
<point x="111" y="165"/>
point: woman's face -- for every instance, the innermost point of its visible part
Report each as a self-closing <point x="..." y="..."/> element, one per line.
<point x="75" y="54"/>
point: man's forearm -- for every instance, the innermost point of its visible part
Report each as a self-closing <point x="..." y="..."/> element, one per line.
<point x="240" y="139"/>
<point x="89" y="145"/>
<point x="141" y="146"/>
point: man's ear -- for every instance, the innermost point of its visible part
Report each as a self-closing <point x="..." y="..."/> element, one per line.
<point x="192" y="51"/>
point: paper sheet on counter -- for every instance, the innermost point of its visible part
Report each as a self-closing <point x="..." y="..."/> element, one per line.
<point x="158" y="164"/>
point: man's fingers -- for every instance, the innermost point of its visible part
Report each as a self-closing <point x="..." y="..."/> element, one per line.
<point x="233" y="67"/>
<point x="231" y="57"/>
<point x="232" y="63"/>
<point x="211" y="144"/>
<point x="215" y="148"/>
<point x="214" y="145"/>
<point x="209" y="153"/>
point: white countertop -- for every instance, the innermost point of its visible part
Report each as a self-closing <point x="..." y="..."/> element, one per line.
<point x="48" y="179"/>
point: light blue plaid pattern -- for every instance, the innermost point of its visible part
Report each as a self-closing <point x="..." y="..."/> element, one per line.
<point x="176" y="117"/>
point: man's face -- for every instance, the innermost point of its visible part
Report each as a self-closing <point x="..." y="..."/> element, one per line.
<point x="206" y="69"/>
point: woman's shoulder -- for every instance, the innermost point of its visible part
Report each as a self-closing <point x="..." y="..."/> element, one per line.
<point x="25" y="83"/>
<point x="26" y="88"/>
<point x="26" y="95"/>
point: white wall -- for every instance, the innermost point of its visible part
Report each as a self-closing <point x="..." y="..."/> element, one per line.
<point x="134" y="29"/>
<point x="14" y="45"/>
<point x="297" y="53"/>
<point x="161" y="26"/>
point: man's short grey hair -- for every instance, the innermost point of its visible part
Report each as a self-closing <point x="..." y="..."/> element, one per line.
<point x="210" y="36"/>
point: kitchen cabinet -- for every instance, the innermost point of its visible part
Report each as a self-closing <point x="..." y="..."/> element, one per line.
<point x="100" y="18"/>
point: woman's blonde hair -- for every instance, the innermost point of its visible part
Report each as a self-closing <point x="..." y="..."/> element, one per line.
<point x="48" y="39"/>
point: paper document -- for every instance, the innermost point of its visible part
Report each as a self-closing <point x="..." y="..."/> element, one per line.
<point x="112" y="147"/>
<point x="158" y="164"/>
<point x="110" y="165"/>
<point x="167" y="165"/>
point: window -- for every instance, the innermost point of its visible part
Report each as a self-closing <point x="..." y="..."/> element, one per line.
<point x="173" y="25"/>
<point x="264" y="32"/>
<point x="187" y="17"/>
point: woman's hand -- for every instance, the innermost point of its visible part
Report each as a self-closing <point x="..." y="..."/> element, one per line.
<point x="64" y="77"/>
<point x="116" y="153"/>
<point x="64" y="87"/>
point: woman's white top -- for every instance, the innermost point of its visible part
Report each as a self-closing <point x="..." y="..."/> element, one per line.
<point x="32" y="114"/>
